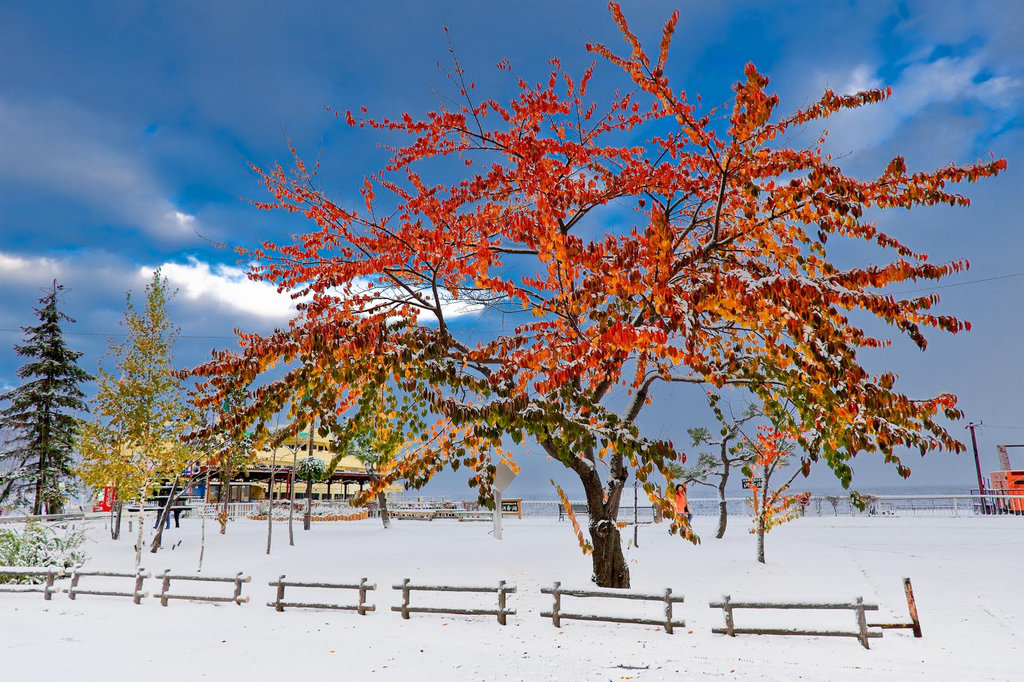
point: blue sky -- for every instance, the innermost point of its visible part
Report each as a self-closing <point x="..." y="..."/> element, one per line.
<point x="126" y="129"/>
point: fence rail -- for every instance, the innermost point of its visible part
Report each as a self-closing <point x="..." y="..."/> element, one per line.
<point x="48" y="575"/>
<point x="137" y="594"/>
<point x="556" y="614"/>
<point x="237" y="598"/>
<point x="859" y="607"/>
<point x="502" y="612"/>
<point x="280" y="604"/>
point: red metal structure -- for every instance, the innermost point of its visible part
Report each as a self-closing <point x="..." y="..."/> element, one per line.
<point x="1008" y="482"/>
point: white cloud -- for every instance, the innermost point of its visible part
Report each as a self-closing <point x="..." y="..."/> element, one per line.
<point x="860" y="79"/>
<point x="18" y="269"/>
<point x="921" y="85"/>
<point x="65" y="150"/>
<point x="226" y="287"/>
<point x="229" y="288"/>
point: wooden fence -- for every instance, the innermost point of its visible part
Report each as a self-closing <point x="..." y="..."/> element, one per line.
<point x="137" y="594"/>
<point x="237" y="598"/>
<point x="48" y="574"/>
<point x="556" y="614"/>
<point x="858" y="607"/>
<point x="501" y="612"/>
<point x="915" y="622"/>
<point x="279" y="604"/>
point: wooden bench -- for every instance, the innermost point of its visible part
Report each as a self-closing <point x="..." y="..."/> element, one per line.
<point x="476" y="516"/>
<point x="576" y="507"/>
<point x="418" y="514"/>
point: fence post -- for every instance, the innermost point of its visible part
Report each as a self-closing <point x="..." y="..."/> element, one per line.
<point x="362" y="597"/>
<point x="238" y="589"/>
<point x="912" y="607"/>
<point x="556" y="619"/>
<point x="668" y="610"/>
<point x="165" y="587"/>
<point x="74" y="583"/>
<point x="862" y="623"/>
<point x="280" y="594"/>
<point x="405" y="598"/>
<point x="727" y="608"/>
<point x="139" y="577"/>
<point x="501" y="602"/>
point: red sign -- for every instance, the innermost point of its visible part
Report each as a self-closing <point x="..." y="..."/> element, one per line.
<point x="107" y="503"/>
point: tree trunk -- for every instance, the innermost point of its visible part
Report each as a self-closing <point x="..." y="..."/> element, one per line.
<point x="309" y="505"/>
<point x="723" y="506"/>
<point x="161" y="519"/>
<point x="291" y="501"/>
<point x="37" y="503"/>
<point x="760" y="538"/>
<point x="115" y="525"/>
<point x="270" y="499"/>
<point x="138" y="540"/>
<point x="382" y="503"/>
<point x="225" y="498"/>
<point x="610" y="568"/>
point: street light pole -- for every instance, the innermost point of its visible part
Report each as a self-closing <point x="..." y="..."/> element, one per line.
<point x="977" y="461"/>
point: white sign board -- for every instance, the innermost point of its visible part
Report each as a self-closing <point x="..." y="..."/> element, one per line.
<point x="503" y="477"/>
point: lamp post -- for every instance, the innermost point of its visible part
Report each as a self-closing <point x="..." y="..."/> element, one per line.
<point x="977" y="466"/>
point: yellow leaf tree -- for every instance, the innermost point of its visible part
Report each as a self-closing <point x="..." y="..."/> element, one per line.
<point x="135" y="438"/>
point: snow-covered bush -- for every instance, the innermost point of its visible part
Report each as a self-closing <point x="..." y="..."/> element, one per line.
<point x="40" y="545"/>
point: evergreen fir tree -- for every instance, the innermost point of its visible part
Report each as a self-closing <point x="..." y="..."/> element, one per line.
<point x="39" y="416"/>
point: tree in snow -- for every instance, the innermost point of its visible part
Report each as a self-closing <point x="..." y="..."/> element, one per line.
<point x="40" y="417"/>
<point x="137" y="436"/>
<point x="225" y="452"/>
<point x="713" y="469"/>
<point x="773" y="452"/>
<point x="311" y="470"/>
<point x="375" y="447"/>
<point x="629" y="244"/>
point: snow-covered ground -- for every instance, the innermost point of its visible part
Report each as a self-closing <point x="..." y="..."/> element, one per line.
<point x="967" y="573"/>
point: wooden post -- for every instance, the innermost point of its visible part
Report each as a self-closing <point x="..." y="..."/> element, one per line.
<point x="912" y="607"/>
<point x="668" y="610"/>
<point x="556" y="619"/>
<point x="238" y="588"/>
<point x="280" y="594"/>
<point x="138" y="594"/>
<point x="405" y="599"/>
<point x="729" y="625"/>
<point x="501" y="602"/>
<point x="362" y="597"/>
<point x="48" y="590"/>
<point x="74" y="583"/>
<point x="166" y="587"/>
<point x="862" y="623"/>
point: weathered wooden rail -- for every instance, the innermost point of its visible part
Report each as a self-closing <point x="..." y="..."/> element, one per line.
<point x="502" y="590"/>
<point x="237" y="598"/>
<point x="48" y="575"/>
<point x="858" y="607"/>
<point x="556" y="614"/>
<point x="280" y="604"/>
<point x="137" y="594"/>
<point x="915" y="622"/>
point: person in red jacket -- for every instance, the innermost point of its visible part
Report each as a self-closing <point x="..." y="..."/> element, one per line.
<point x="681" y="503"/>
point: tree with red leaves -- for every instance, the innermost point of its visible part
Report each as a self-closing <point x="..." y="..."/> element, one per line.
<point x="720" y="277"/>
